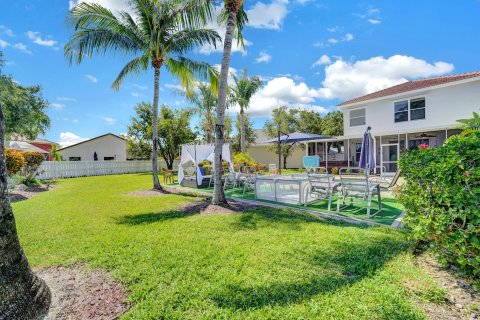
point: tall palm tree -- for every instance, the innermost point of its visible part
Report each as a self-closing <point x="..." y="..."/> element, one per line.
<point x="159" y="33"/>
<point x="235" y="18"/>
<point x="242" y="92"/>
<point x="205" y="101"/>
<point x="22" y="294"/>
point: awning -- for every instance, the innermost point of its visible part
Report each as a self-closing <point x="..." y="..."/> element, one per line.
<point x="296" y="137"/>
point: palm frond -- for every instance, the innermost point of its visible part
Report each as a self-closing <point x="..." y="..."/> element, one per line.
<point x="136" y="66"/>
<point x="187" y="39"/>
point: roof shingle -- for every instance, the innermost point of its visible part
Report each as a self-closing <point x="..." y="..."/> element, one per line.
<point x="413" y="85"/>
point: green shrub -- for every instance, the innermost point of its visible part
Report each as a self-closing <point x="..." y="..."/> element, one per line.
<point x="335" y="170"/>
<point x="441" y="197"/>
<point x="33" y="160"/>
<point x="243" y="159"/>
<point x="349" y="170"/>
<point x="14" y="161"/>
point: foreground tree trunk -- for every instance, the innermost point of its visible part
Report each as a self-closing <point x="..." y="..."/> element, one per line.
<point x="242" y="130"/>
<point x="22" y="294"/>
<point x="156" y="181"/>
<point x="218" y="194"/>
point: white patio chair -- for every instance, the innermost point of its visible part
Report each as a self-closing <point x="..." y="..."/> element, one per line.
<point x="229" y="181"/>
<point x="321" y="186"/>
<point x="249" y="183"/>
<point x="355" y="184"/>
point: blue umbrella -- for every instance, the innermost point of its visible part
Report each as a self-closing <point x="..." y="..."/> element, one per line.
<point x="367" y="154"/>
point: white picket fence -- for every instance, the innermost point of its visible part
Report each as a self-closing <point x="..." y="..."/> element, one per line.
<point x="72" y="169"/>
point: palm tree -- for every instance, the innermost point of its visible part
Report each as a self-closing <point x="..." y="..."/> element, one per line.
<point x="160" y="34"/>
<point x="22" y="294"/>
<point x="235" y="18"/>
<point x="205" y="101"/>
<point x="242" y="92"/>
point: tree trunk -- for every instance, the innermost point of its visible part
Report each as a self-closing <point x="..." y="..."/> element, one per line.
<point x="209" y="126"/>
<point x="156" y="182"/>
<point x="22" y="294"/>
<point x="242" y="130"/>
<point x="285" y="162"/>
<point x="218" y="194"/>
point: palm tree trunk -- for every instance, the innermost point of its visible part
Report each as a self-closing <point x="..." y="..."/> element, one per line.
<point x="242" y="130"/>
<point x="209" y="126"/>
<point x="22" y="294"/>
<point x="156" y="181"/>
<point x="218" y="194"/>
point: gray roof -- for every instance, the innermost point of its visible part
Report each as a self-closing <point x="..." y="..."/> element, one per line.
<point x="25" y="146"/>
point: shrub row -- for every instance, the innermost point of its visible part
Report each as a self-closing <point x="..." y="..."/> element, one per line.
<point x="16" y="161"/>
<point x="441" y="197"/>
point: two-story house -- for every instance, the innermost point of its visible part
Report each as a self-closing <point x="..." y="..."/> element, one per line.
<point x="423" y="111"/>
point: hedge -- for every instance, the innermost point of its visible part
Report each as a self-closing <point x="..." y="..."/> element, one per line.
<point x="441" y="197"/>
<point x="14" y="161"/>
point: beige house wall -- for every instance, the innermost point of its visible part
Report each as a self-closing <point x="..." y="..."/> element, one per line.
<point x="106" y="146"/>
<point x="262" y="154"/>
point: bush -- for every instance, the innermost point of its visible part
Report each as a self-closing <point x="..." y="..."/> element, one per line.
<point x="349" y="170"/>
<point x="14" y="161"/>
<point x="243" y="159"/>
<point x="33" y="160"/>
<point x="335" y="170"/>
<point x="441" y="197"/>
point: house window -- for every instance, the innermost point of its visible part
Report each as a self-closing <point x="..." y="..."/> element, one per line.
<point x="74" y="158"/>
<point x="417" y="109"/>
<point x="357" y="117"/>
<point x="401" y="111"/>
<point x="358" y="151"/>
<point x="108" y="158"/>
<point x="413" y="109"/>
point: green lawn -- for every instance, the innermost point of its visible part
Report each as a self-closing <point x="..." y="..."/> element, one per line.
<point x="261" y="264"/>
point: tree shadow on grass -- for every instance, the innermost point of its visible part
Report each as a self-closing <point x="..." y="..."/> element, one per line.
<point x="341" y="265"/>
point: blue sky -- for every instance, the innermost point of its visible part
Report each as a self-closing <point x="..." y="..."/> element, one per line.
<point x="310" y="54"/>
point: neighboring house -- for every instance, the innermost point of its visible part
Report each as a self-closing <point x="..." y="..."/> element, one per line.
<point x="262" y="153"/>
<point x="44" y="146"/>
<point x="401" y="117"/>
<point x="107" y="147"/>
<point x="24" y="146"/>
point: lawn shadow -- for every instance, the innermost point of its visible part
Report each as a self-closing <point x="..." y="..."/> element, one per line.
<point x="151" y="217"/>
<point x="341" y="265"/>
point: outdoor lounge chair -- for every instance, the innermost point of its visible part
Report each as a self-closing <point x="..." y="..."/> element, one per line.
<point x="229" y="180"/>
<point x="386" y="182"/>
<point x="249" y="182"/>
<point x="357" y="185"/>
<point x="321" y="186"/>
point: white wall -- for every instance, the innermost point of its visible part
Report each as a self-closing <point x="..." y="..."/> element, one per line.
<point x="263" y="155"/>
<point x="443" y="107"/>
<point x="107" y="146"/>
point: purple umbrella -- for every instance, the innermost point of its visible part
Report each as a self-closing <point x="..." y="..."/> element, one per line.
<point x="367" y="154"/>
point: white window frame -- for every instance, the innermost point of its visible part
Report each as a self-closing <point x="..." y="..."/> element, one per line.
<point x="409" y="111"/>
<point x="350" y="117"/>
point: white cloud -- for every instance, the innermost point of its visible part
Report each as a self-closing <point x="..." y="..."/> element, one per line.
<point x="136" y="94"/>
<point x="68" y="138"/>
<point x="91" y="78"/>
<point x="335" y="29"/>
<point x="372" y="16"/>
<point x="374" y="21"/>
<point x="139" y="86"/>
<point x="345" y="80"/>
<point x="7" y="31"/>
<point x="109" y="121"/>
<point x="36" y="38"/>
<point x="3" y="44"/>
<point x="332" y="41"/>
<point x="348" y="37"/>
<point x="263" y="57"/>
<point x="75" y="120"/>
<point x="66" y="99"/>
<point x="267" y="16"/>
<point x="23" y="48"/>
<point x="113" y="5"/>
<point x="323" y="60"/>
<point x="174" y="86"/>
<point x="57" y="106"/>
<point x="281" y="91"/>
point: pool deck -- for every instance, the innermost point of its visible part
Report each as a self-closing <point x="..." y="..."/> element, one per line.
<point x="394" y="218"/>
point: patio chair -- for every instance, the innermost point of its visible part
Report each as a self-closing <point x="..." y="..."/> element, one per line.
<point x="229" y="180"/>
<point x="249" y="182"/>
<point x="355" y="184"/>
<point x="388" y="182"/>
<point x="321" y="186"/>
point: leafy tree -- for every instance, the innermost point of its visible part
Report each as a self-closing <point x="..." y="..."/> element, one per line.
<point x="161" y="34"/>
<point x="241" y="93"/>
<point x="471" y="124"/>
<point x="22" y="294"/>
<point x="56" y="155"/>
<point x="310" y="122"/>
<point x="286" y="121"/>
<point x="235" y="18"/>
<point x="332" y="124"/>
<point x="249" y="134"/>
<point x="173" y="130"/>
<point x="24" y="109"/>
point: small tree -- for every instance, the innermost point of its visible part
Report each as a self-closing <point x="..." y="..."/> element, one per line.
<point x="332" y="124"/>
<point x="56" y="155"/>
<point x="33" y="160"/>
<point x="248" y="132"/>
<point x="285" y="121"/>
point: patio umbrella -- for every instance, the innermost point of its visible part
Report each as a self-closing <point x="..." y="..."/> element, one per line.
<point x="367" y="154"/>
